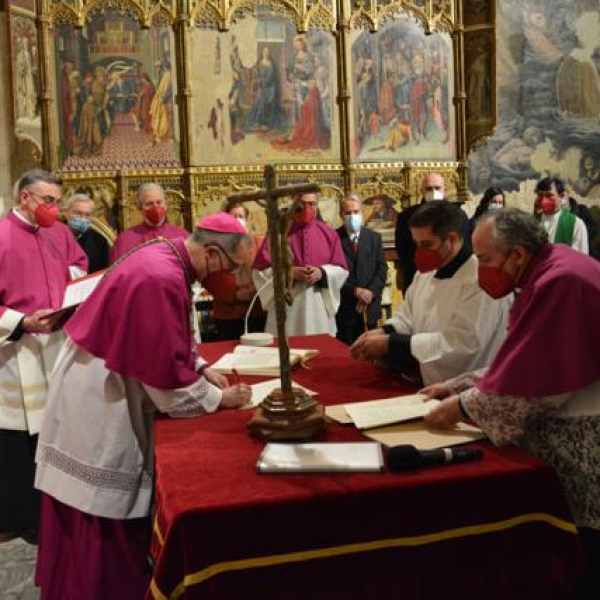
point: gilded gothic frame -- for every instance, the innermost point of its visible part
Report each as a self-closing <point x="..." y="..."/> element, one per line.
<point x="197" y="185"/>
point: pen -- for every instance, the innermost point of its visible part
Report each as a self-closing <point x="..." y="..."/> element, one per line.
<point x="236" y="377"/>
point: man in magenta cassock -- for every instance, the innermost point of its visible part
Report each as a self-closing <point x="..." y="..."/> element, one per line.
<point x="38" y="256"/>
<point x="319" y="270"/>
<point x="129" y="352"/>
<point x="152" y="204"/>
<point x="542" y="390"/>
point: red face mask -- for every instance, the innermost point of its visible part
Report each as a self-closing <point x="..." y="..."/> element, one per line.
<point x="495" y="281"/>
<point x="547" y="205"/>
<point x="45" y="214"/>
<point x="219" y="283"/>
<point x="155" y="214"/>
<point x="427" y="259"/>
<point x="306" y="215"/>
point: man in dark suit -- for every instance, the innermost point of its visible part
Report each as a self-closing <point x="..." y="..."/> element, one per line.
<point x="79" y="213"/>
<point x="360" y="301"/>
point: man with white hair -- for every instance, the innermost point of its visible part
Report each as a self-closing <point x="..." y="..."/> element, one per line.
<point x="79" y="211"/>
<point x="152" y="204"/>
<point x="38" y="257"/>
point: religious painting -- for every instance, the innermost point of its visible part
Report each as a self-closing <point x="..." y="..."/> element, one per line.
<point x="115" y="90"/>
<point x="548" y="96"/>
<point x="401" y="100"/>
<point x="380" y="215"/>
<point x="25" y="79"/>
<point x="262" y="92"/>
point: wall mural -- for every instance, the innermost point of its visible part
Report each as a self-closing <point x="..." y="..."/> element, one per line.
<point x="263" y="92"/>
<point x="548" y="77"/>
<point x="402" y="85"/>
<point x="115" y="95"/>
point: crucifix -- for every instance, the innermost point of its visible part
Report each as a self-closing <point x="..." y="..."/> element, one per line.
<point x="287" y="413"/>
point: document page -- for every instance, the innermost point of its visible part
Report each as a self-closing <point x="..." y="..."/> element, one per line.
<point x="376" y="413"/>
<point x="79" y="289"/>
<point x="320" y="457"/>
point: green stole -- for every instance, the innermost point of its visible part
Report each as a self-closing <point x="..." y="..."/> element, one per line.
<point x="564" y="228"/>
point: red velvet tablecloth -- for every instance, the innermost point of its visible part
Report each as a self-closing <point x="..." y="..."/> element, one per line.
<point x="494" y="529"/>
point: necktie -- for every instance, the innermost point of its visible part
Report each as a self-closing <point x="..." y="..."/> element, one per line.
<point x="354" y="242"/>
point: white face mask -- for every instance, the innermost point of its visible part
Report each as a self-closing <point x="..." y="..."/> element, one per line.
<point x="495" y="206"/>
<point x="353" y="222"/>
<point x="242" y="222"/>
<point x="434" y="195"/>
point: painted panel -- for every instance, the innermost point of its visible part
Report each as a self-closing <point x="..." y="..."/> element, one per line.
<point x="115" y="89"/>
<point x="263" y="93"/>
<point x="401" y="87"/>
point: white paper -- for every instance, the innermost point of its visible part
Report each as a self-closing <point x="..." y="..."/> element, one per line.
<point x="376" y="413"/>
<point x="320" y="457"/>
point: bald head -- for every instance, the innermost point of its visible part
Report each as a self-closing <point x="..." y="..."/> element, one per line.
<point x="433" y="187"/>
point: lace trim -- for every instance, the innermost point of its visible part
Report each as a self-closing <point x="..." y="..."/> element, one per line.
<point x="101" y="478"/>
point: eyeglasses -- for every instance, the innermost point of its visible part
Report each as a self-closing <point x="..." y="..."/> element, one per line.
<point x="45" y="199"/>
<point x="234" y="264"/>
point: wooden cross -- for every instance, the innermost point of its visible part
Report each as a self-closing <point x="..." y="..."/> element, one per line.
<point x="282" y="421"/>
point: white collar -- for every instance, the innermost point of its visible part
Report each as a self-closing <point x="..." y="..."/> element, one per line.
<point x="23" y="218"/>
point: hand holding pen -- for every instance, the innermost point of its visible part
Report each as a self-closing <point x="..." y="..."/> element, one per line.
<point x="237" y="394"/>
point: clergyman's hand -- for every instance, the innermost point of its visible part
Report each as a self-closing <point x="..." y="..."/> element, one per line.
<point x="313" y="274"/>
<point x="40" y="322"/>
<point x="216" y="378"/>
<point x="436" y="390"/>
<point x="370" y="346"/>
<point x="299" y="274"/>
<point x="236" y="395"/>
<point x="445" y="415"/>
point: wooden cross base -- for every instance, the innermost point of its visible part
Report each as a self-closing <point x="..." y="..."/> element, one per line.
<point x="291" y="416"/>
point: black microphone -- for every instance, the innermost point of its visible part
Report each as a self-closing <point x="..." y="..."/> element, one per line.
<point x="408" y="458"/>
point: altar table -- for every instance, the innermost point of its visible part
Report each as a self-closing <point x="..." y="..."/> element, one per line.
<point x="496" y="529"/>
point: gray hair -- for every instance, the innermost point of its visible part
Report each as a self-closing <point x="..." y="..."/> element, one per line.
<point x="228" y="241"/>
<point x="32" y="177"/>
<point x="148" y="187"/>
<point x="77" y="198"/>
<point x="349" y="198"/>
<point x="512" y="227"/>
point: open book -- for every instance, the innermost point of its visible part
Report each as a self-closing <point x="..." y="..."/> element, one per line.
<point x="258" y="360"/>
<point x="375" y="413"/>
<point x="320" y="457"/>
<point x="76" y="292"/>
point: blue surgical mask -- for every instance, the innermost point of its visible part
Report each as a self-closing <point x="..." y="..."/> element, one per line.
<point x="353" y="222"/>
<point x="78" y="224"/>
